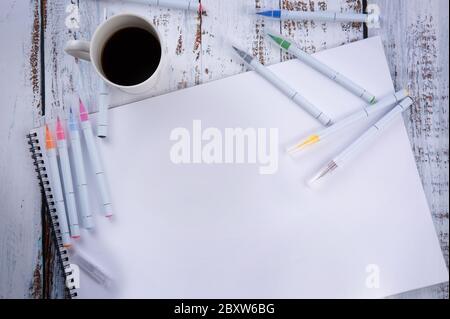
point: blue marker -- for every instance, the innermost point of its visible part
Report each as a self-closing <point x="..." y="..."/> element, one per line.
<point x="326" y="16"/>
<point x="80" y="173"/>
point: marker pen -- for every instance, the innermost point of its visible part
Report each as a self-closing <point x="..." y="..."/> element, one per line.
<point x="67" y="180"/>
<point x="56" y="187"/>
<point x="87" y="220"/>
<point x="95" y="160"/>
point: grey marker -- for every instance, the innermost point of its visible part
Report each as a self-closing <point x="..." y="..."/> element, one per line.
<point x="284" y="87"/>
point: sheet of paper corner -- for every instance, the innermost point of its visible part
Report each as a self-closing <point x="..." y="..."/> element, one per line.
<point x="375" y="77"/>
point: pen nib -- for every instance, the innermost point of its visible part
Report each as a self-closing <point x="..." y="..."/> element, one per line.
<point x="325" y="171"/>
<point x="309" y="141"/>
<point x="59" y="130"/>
<point x="83" y="112"/>
<point x="247" y="58"/>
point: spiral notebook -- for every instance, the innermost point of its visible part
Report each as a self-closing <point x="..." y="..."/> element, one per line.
<point x="37" y="150"/>
<point x="226" y="231"/>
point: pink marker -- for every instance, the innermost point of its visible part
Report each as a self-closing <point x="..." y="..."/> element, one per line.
<point x="95" y="160"/>
<point x="67" y="180"/>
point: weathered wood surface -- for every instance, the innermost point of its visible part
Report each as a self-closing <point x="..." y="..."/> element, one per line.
<point x="20" y="96"/>
<point x="197" y="49"/>
<point x="415" y="36"/>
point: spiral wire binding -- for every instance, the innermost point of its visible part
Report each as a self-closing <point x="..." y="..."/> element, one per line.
<point x="44" y="184"/>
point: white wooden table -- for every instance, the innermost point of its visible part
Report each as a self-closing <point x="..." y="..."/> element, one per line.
<point x="36" y="75"/>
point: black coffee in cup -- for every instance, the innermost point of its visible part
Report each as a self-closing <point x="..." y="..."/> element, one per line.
<point x="130" y="56"/>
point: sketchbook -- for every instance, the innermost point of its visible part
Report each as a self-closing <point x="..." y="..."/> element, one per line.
<point x="200" y="225"/>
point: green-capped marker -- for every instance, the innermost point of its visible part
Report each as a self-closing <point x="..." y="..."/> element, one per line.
<point x="281" y="42"/>
<point x="284" y="87"/>
<point x="324" y="69"/>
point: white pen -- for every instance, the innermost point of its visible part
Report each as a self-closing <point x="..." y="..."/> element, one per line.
<point x="366" y="112"/>
<point x="284" y="87"/>
<point x="87" y="220"/>
<point x="56" y="187"/>
<point x="95" y="160"/>
<point x="323" y="68"/>
<point x="357" y="146"/>
<point x="103" y="101"/>
<point x="103" y="106"/>
<point x="92" y="270"/>
<point x="189" y="5"/>
<point x="325" y="16"/>
<point x="67" y="180"/>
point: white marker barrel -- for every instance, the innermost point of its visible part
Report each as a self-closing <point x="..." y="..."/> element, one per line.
<point x="190" y="5"/>
<point x="290" y="92"/>
<point x="368" y="111"/>
<point x="68" y="188"/>
<point x="80" y="173"/>
<point x="103" y="106"/>
<point x="332" y="74"/>
<point x="373" y="132"/>
<point x="97" y="167"/>
<point x="325" y="16"/>
<point x="58" y="196"/>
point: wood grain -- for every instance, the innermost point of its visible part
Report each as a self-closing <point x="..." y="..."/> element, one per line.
<point x="415" y="36"/>
<point x="20" y="203"/>
<point x="198" y="51"/>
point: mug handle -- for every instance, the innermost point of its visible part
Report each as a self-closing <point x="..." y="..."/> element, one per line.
<point x="78" y="49"/>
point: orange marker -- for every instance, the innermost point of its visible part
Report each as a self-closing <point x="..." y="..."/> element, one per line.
<point x="55" y="185"/>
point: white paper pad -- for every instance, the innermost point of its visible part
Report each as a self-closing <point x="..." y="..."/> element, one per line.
<point x="225" y="231"/>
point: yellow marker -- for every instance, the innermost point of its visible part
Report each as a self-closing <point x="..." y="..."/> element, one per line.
<point x="313" y="139"/>
<point x="366" y="112"/>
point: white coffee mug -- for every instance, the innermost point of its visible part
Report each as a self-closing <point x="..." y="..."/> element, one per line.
<point x="92" y="51"/>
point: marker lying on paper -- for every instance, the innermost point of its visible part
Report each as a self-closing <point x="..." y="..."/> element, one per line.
<point x="367" y="112"/>
<point x="189" y="5"/>
<point x="357" y="146"/>
<point x="325" y="16"/>
<point x="95" y="160"/>
<point x="57" y="188"/>
<point x="67" y="180"/>
<point x="284" y="87"/>
<point x="80" y="173"/>
<point x="92" y="270"/>
<point x="323" y="68"/>
<point x="103" y="106"/>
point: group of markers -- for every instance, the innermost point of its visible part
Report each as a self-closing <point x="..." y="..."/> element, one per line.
<point x="68" y="222"/>
<point x="400" y="99"/>
<point x="371" y="19"/>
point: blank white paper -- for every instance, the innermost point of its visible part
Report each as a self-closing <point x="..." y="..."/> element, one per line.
<point x="225" y="231"/>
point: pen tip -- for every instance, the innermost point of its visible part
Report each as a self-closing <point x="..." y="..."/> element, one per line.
<point x="331" y="166"/>
<point x="313" y="139"/>
<point x="270" y="13"/>
<point x="264" y="13"/>
<point x="49" y="143"/>
<point x="83" y="112"/>
<point x="59" y="130"/>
